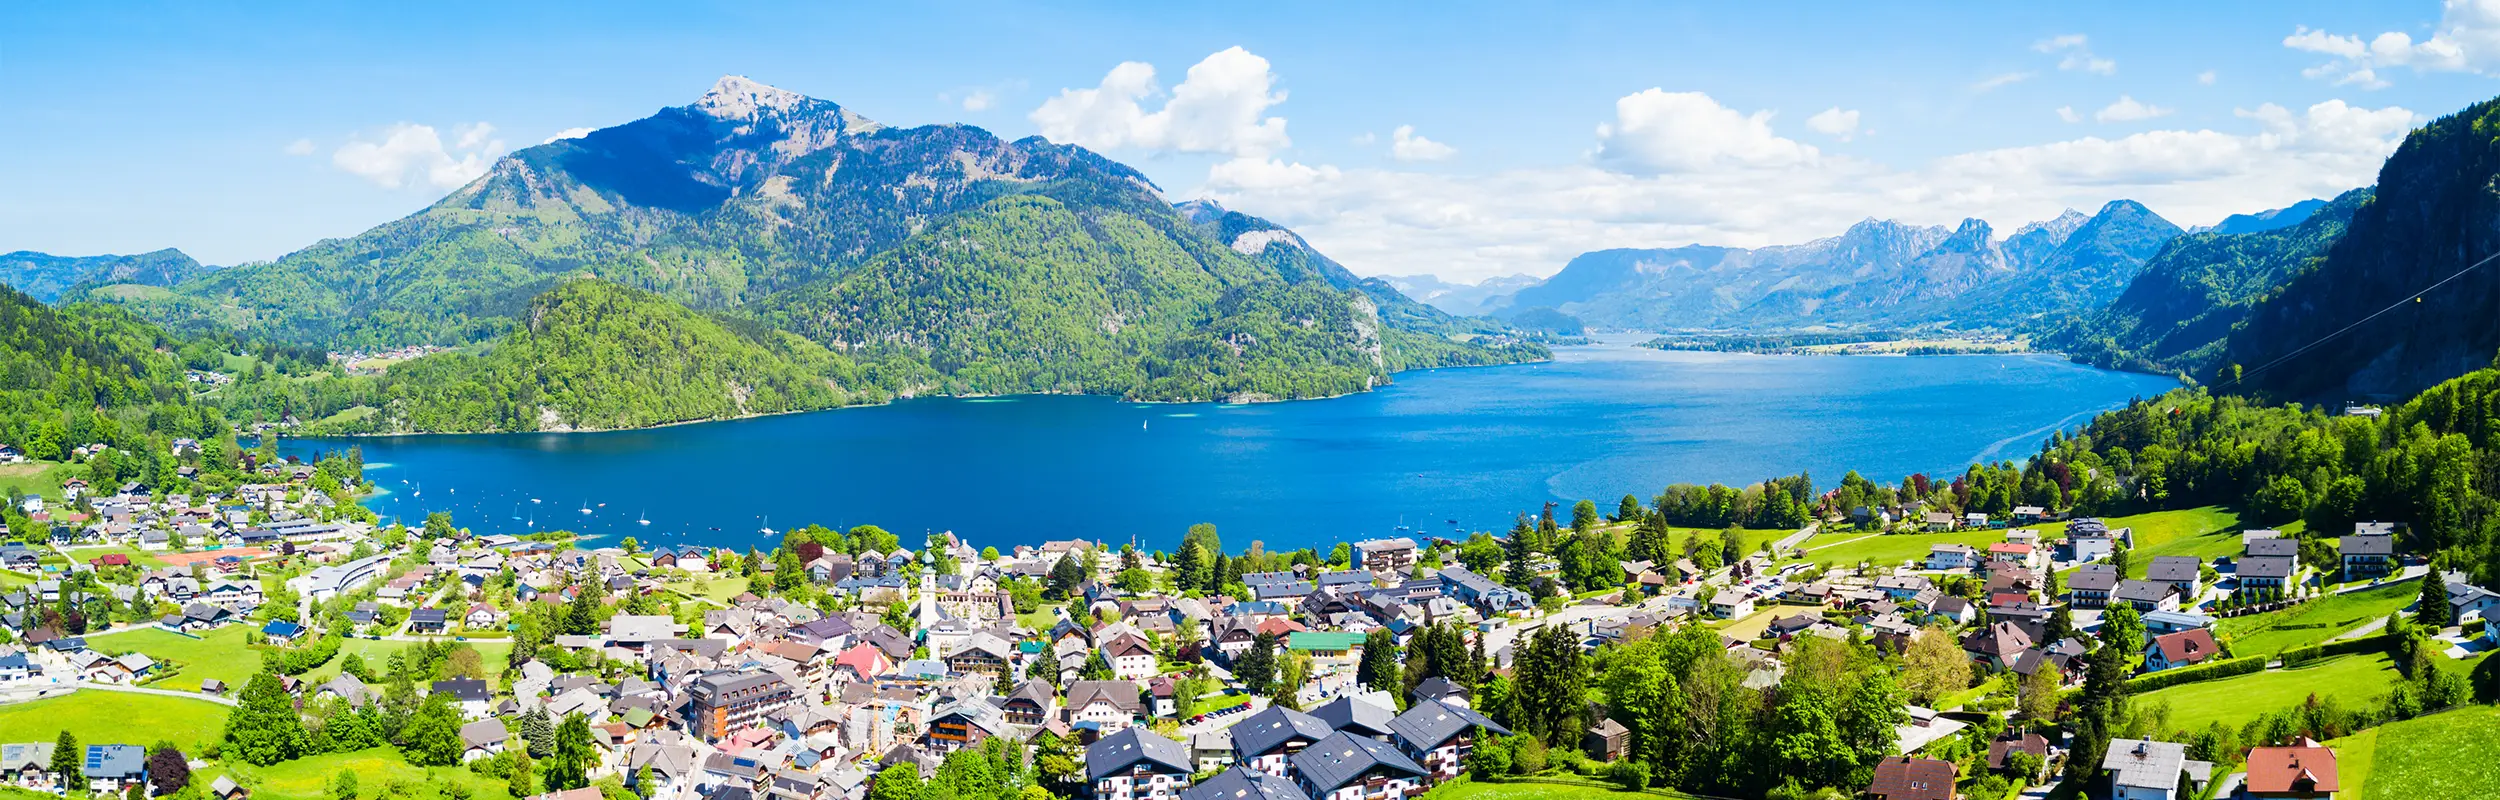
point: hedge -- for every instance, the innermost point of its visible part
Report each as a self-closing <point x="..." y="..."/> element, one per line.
<point x="2197" y="674"/>
<point x="2303" y="655"/>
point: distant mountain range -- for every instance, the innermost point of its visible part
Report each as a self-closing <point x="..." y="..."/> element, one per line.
<point x="1877" y="274"/>
<point x="1459" y="298"/>
<point x="940" y="258"/>
<point x="47" y="277"/>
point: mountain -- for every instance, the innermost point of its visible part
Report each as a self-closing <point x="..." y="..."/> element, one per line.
<point x="2174" y="316"/>
<point x="2406" y="297"/>
<point x="1877" y="274"/>
<point x="1458" y="298"/>
<point x="898" y="247"/>
<point x="590" y="355"/>
<point x="2263" y="221"/>
<point x="47" y="278"/>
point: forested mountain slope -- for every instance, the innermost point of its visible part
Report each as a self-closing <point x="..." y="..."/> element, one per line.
<point x="2174" y="316"/>
<point x="908" y="248"/>
<point x="2435" y="215"/>
<point x="48" y="278"/>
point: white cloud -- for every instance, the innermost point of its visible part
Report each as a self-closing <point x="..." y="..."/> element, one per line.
<point x="1365" y="139"/>
<point x="2206" y="77"/>
<point x="979" y="100"/>
<point x="2467" y="40"/>
<point x="408" y="153"/>
<point x="1835" y="122"/>
<point x="2068" y="114"/>
<point x="1471" y="226"/>
<point x="568" y="133"/>
<point x="1218" y="108"/>
<point x="1405" y="145"/>
<point x="2075" y="54"/>
<point x="1657" y="131"/>
<point x="300" y="147"/>
<point x="2000" y="81"/>
<point x="2128" y="109"/>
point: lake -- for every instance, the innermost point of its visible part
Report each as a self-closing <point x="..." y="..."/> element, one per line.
<point x="1437" y="452"/>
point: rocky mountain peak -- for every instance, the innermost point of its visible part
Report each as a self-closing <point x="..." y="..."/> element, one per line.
<point x="737" y="97"/>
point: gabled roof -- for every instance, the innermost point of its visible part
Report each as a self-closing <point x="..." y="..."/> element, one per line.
<point x="1429" y="723"/>
<point x="1118" y="752"/>
<point x="1243" y="783"/>
<point x="1272" y="728"/>
<point x="2305" y="769"/>
<point x="1907" y="778"/>
<point x="1348" y="714"/>
<point x="1341" y="758"/>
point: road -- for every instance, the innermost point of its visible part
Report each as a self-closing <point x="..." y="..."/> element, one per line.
<point x="2381" y="623"/>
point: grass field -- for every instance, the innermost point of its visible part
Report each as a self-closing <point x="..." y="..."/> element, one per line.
<point x="376" y="769"/>
<point x="137" y="556"/>
<point x="1749" y="628"/>
<point x="33" y="477"/>
<point x="2205" y="533"/>
<point x="219" y="654"/>
<point x="1847" y="548"/>
<point x="2352" y="679"/>
<point x="102" y="717"/>
<point x="2318" y="621"/>
<point x="718" y="589"/>
<point x="2453" y="754"/>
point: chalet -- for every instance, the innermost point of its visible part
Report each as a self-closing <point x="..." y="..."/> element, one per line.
<point x="1266" y="740"/>
<point x="27" y="765"/>
<point x="1030" y="703"/>
<point x="482" y="739"/>
<point x="2182" y="649"/>
<point x="1136" y="764"/>
<point x="425" y="621"/>
<point x="2183" y="573"/>
<point x="1393" y="556"/>
<point x="2267" y="572"/>
<point x="963" y="724"/>
<point x="1912" y="778"/>
<point x="1108" y="705"/>
<point x="1342" y="766"/>
<point x="1244" y="784"/>
<point x="113" y="768"/>
<point x="281" y="632"/>
<point x="2370" y="551"/>
<point x="1731" y="604"/>
<point x="2304" y="770"/>
<point x="1439" y="737"/>
<point x="1950" y="556"/>
<point x="2090" y="585"/>
<point x="2146" y="595"/>
<point x="2148" y="770"/>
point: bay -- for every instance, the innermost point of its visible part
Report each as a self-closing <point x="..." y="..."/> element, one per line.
<point x="1436" y="453"/>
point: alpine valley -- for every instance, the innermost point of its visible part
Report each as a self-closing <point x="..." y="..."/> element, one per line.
<point x="873" y="261"/>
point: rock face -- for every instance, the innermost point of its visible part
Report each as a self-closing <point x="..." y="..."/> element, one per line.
<point x="1877" y="274"/>
<point x="2352" y="326"/>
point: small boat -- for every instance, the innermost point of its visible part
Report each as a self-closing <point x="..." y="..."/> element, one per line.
<point x="768" y="526"/>
<point x="644" y="518"/>
<point x="585" y="506"/>
<point x="603" y="505"/>
<point x="533" y="501"/>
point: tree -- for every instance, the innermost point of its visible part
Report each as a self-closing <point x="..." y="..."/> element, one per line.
<point x="438" y="525"/>
<point x="2122" y="630"/>
<point x="538" y="731"/>
<point x="575" y="754"/>
<point x="2432" y="610"/>
<point x="1935" y="666"/>
<point x="264" y="729"/>
<point x="2038" y="699"/>
<point x="1379" y="666"/>
<point x="1256" y="667"/>
<point x="1520" y="551"/>
<point x="1584" y="517"/>
<point x="522" y="783"/>
<point x="431" y="737"/>
<point x="898" y="782"/>
<point x="168" y="770"/>
<point x="343" y="785"/>
<point x="1628" y="509"/>
<point x="69" y="761"/>
<point x="1065" y="577"/>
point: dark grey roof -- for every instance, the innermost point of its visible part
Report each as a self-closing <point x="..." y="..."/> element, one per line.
<point x="2173" y="569"/>
<point x="1343" y="758"/>
<point x="2266" y="567"/>
<point x="1117" y="752"/>
<point x="1347" y="714"/>
<point x="2135" y="591"/>
<point x="1272" y="728"/>
<point x="2093" y="578"/>
<point x="2278" y="546"/>
<point x="1243" y="783"/>
<point x="2368" y="545"/>
<point x="1431" y="722"/>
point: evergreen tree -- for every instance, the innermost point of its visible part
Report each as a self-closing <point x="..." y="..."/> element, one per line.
<point x="1628" y="510"/>
<point x="2432" y="610"/>
<point x="539" y="733"/>
<point x="575" y="754"/>
<point x="431" y="738"/>
<point x="1520" y="551"/>
<point x="1378" y="668"/>
<point x="69" y="762"/>
<point x="1256" y="667"/>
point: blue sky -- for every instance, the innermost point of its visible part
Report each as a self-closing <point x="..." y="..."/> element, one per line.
<point x="1530" y="133"/>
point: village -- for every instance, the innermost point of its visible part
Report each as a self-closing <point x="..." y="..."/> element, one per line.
<point x="842" y="660"/>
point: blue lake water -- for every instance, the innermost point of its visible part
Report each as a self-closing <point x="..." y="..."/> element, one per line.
<point x="1471" y="445"/>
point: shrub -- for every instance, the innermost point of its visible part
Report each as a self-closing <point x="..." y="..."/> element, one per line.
<point x="1631" y="775"/>
<point x="2196" y="674"/>
<point x="1528" y="757"/>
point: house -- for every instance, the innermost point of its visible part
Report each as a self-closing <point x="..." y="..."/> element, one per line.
<point x="2146" y="595"/>
<point x="2370" y="551"/>
<point x="473" y="696"/>
<point x="2183" y="573"/>
<point x="224" y="788"/>
<point x="1107" y="705"/>
<point x="27" y="765"/>
<point x="1998" y="646"/>
<point x="281" y="632"/>
<point x="112" y="768"/>
<point x="1130" y="657"/>
<point x="481" y="739"/>
<point x="1135" y="764"/>
<point x="1608" y="741"/>
<point x="1731" y="604"/>
<point x="2091" y="584"/>
<point x="1439" y="737"/>
<point x="1360" y="716"/>
<point x="2161" y="622"/>
<point x="2026" y="515"/>
<point x="1393" y="556"/>
<point x="1482" y="592"/>
<point x="2147" y="770"/>
<point x="2182" y="649"/>
<point x="1343" y="766"/>
<point x="1940" y="521"/>
<point x="2304" y="770"/>
<point x="2090" y="539"/>
<point x="425" y="621"/>
<point x="1910" y="778"/>
<point x="2015" y="553"/>
<point x="2467" y="601"/>
<point x="1950" y="556"/>
<point x="1267" y="740"/>
<point x="2267" y="572"/>
<point x="2001" y="752"/>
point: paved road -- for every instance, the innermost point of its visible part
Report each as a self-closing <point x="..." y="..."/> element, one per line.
<point x="115" y="687"/>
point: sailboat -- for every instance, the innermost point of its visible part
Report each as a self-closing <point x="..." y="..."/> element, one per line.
<point x="516" y="511"/>
<point x="533" y="501"/>
<point x="768" y="525"/>
<point x="644" y="517"/>
<point x="585" y="506"/>
<point x="420" y="491"/>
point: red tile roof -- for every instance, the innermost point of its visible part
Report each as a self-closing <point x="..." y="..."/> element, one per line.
<point x="2305" y="770"/>
<point x="1907" y="778"/>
